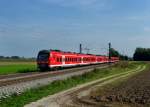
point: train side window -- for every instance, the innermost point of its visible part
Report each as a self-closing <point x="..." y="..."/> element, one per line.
<point x="57" y="59"/>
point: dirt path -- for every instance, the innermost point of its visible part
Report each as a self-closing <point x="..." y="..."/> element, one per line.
<point x="70" y="97"/>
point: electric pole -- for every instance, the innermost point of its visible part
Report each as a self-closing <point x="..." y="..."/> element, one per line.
<point x="80" y="48"/>
<point x="109" y="52"/>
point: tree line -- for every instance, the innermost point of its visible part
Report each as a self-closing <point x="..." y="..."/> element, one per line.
<point x="115" y="53"/>
<point x="15" y="58"/>
<point x="142" y="54"/>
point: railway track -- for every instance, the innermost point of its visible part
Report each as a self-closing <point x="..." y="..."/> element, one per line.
<point x="6" y="80"/>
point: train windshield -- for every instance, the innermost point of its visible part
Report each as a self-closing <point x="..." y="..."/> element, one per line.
<point x="43" y="56"/>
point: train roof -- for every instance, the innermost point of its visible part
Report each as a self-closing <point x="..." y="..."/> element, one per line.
<point x="47" y="51"/>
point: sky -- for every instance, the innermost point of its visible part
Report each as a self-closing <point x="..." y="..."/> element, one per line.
<point x="27" y="26"/>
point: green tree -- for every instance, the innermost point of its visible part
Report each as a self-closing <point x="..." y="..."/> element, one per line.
<point x="142" y="54"/>
<point x="114" y="53"/>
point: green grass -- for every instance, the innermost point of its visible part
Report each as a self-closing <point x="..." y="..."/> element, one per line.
<point x="17" y="68"/>
<point x="57" y="86"/>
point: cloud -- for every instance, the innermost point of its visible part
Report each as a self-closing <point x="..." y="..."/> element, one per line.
<point x="82" y="4"/>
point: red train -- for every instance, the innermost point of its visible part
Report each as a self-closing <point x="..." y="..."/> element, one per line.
<point x="53" y="59"/>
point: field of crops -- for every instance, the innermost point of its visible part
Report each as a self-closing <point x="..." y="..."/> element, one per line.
<point x="133" y="92"/>
<point x="9" y="67"/>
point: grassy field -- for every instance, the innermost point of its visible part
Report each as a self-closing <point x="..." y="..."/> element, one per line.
<point x="35" y="94"/>
<point x="10" y="67"/>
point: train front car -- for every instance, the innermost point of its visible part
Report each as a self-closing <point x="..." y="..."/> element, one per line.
<point x="43" y="60"/>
